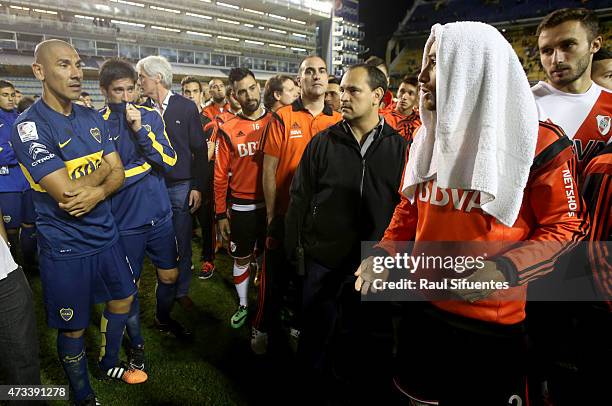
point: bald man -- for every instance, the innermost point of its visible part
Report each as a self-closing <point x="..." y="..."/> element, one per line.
<point x="67" y="154"/>
<point x="218" y="103"/>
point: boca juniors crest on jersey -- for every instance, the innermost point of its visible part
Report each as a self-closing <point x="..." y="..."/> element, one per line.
<point x="95" y="132"/>
<point x="603" y="124"/>
<point x="66" y="313"/>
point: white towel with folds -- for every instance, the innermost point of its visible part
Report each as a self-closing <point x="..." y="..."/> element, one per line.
<point x="483" y="133"/>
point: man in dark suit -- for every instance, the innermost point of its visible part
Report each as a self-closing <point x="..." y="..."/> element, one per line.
<point x="186" y="179"/>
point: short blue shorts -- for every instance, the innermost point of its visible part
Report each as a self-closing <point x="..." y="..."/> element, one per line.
<point x="17" y="208"/>
<point x="157" y="241"/>
<point x="72" y="286"/>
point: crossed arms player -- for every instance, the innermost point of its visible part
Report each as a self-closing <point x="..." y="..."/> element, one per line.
<point x="68" y="156"/>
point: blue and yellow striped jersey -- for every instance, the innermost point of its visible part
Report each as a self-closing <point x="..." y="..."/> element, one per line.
<point x="143" y="199"/>
<point x="45" y="141"/>
<point x="11" y="178"/>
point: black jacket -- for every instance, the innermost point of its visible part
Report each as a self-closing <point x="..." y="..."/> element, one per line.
<point x="186" y="135"/>
<point x="339" y="198"/>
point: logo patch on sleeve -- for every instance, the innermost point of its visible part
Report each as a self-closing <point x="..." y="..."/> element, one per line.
<point x="37" y="149"/>
<point x="27" y="131"/>
<point x="66" y="314"/>
<point x="147" y="127"/>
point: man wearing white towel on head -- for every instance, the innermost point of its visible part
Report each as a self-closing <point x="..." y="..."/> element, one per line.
<point x="481" y="168"/>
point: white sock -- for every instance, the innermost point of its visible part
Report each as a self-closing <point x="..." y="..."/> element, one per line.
<point x="241" y="281"/>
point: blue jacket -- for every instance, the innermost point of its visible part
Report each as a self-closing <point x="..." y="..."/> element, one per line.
<point x="143" y="199"/>
<point x="11" y="176"/>
<point x="187" y="138"/>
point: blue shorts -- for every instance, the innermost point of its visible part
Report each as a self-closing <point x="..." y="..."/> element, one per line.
<point x="72" y="286"/>
<point x="17" y="208"/>
<point x="158" y="242"/>
<point x="28" y="212"/>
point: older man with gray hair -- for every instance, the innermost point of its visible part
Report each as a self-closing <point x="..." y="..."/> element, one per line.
<point x="186" y="179"/>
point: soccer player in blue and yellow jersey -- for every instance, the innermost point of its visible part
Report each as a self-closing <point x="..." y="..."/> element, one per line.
<point x="15" y="192"/>
<point x="141" y="207"/>
<point x="67" y="154"/>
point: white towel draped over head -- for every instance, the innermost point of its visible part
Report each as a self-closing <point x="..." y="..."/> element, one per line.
<point x="483" y="133"/>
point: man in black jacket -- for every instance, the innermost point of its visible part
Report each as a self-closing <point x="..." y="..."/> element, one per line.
<point x="187" y="178"/>
<point x="344" y="192"/>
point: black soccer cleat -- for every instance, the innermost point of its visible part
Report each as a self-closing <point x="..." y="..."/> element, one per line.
<point x="90" y="400"/>
<point x="136" y="357"/>
<point x="173" y="327"/>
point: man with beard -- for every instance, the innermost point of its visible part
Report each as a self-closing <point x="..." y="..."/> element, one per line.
<point x="218" y="103"/>
<point x="446" y="345"/>
<point x="567" y="40"/>
<point x="238" y="151"/>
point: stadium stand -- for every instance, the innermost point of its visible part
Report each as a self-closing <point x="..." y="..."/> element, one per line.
<point x="202" y="39"/>
<point x="516" y="19"/>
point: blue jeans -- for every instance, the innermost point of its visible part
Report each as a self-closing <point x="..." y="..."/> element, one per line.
<point x="181" y="218"/>
<point x="18" y="337"/>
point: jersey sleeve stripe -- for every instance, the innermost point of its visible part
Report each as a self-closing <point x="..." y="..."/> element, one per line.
<point x="601" y="214"/>
<point x="550" y="153"/>
<point x="558" y="131"/>
<point x="137" y="170"/>
<point x="169" y="160"/>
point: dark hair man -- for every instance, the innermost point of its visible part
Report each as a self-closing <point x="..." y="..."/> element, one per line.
<point x="18" y="96"/>
<point x="85" y="100"/>
<point x="483" y="319"/>
<point x="218" y="102"/>
<point x="567" y="40"/>
<point x="238" y="151"/>
<point x="146" y="153"/>
<point x="192" y="89"/>
<point x="15" y="192"/>
<point x="205" y="93"/>
<point x="377" y="62"/>
<point x="344" y="192"/>
<point x="25" y="103"/>
<point x="407" y="94"/>
<point x="404" y="118"/>
<point x="332" y="94"/>
<point x="68" y="156"/>
<point x="279" y="91"/>
<point x="601" y="73"/>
